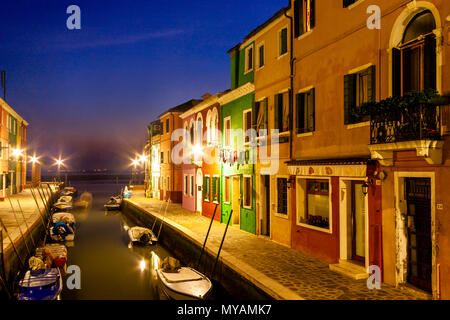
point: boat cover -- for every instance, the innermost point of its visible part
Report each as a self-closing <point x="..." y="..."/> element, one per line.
<point x="40" y="278"/>
<point x="65" y="199"/>
<point x="65" y="217"/>
<point x="183" y="275"/>
<point x="138" y="232"/>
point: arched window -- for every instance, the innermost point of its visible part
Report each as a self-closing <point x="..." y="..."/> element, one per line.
<point x="191" y="132"/>
<point x="414" y="63"/>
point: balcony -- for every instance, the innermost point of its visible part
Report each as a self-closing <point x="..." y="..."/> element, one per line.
<point x="416" y="121"/>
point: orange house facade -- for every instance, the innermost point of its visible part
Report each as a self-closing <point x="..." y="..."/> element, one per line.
<point x="364" y="192"/>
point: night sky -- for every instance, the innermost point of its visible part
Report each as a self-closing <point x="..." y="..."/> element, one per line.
<point x="89" y="94"/>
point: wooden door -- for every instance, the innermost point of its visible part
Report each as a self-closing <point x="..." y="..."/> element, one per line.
<point x="359" y="216"/>
<point x="236" y="201"/>
<point x="418" y="196"/>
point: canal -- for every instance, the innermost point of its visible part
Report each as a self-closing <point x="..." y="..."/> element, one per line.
<point x="110" y="268"/>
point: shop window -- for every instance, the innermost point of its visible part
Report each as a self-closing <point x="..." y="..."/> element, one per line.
<point x="313" y="203"/>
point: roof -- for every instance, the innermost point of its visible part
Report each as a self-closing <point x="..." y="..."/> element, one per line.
<point x="280" y="13"/>
<point x="205" y="104"/>
<point x="8" y="108"/>
<point x="182" y="107"/>
<point x="342" y="161"/>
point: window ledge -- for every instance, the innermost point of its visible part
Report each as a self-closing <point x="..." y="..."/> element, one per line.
<point x="248" y="208"/>
<point x="306" y="134"/>
<point x="281" y="215"/>
<point x="260" y="68"/>
<point x="283" y="55"/>
<point x="314" y="228"/>
<point x="358" y="125"/>
<point x="305" y="35"/>
<point x="228" y="203"/>
<point x="353" y="5"/>
<point x="284" y="134"/>
<point x="248" y="71"/>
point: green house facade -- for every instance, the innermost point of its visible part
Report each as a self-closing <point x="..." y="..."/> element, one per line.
<point x="237" y="165"/>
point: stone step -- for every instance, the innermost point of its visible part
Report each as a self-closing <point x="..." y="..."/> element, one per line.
<point x="349" y="269"/>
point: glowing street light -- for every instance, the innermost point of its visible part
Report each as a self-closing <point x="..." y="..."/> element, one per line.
<point x="59" y="163"/>
<point x="142" y="158"/>
<point x="33" y="159"/>
<point x="17" y="152"/>
<point x="135" y="162"/>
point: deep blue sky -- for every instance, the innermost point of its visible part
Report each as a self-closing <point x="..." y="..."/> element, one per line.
<point x="90" y="93"/>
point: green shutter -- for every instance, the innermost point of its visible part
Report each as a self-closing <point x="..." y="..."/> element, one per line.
<point x="275" y="112"/>
<point x="284" y="41"/>
<point x="371" y="84"/>
<point x="396" y="72"/>
<point x="349" y="97"/>
<point x="311" y="110"/>
<point x="313" y="14"/>
<point x="430" y="62"/>
<point x="296" y="18"/>
<point x="255" y="111"/>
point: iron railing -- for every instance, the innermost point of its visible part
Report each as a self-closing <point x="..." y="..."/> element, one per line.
<point x="420" y="122"/>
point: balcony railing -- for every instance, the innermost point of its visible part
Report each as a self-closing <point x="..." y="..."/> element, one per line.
<point x="419" y="122"/>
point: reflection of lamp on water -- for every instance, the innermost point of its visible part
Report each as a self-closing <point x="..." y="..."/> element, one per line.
<point x="142" y="265"/>
<point x="155" y="261"/>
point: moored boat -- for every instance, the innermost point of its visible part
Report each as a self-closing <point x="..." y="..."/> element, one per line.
<point x="141" y="236"/>
<point x="45" y="284"/>
<point x="113" y="203"/>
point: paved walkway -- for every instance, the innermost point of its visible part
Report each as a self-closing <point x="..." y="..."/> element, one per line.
<point x="282" y="272"/>
<point x="30" y="212"/>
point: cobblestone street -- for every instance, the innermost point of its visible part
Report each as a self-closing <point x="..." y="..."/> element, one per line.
<point x="289" y="273"/>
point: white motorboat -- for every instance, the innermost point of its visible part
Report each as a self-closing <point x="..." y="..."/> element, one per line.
<point x="65" y="199"/>
<point x="66" y="217"/>
<point x="63" y="206"/>
<point x="185" y="284"/>
<point x="113" y="203"/>
<point x="141" y="236"/>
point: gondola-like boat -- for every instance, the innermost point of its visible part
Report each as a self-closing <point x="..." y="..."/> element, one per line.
<point x="45" y="284"/>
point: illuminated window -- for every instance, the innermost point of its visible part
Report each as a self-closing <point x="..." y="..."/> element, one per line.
<point x="226" y="190"/>
<point x="304" y="16"/>
<point x="313" y="203"/>
<point x="248" y="192"/>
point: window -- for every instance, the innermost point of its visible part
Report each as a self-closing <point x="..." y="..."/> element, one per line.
<point x="1" y="150"/>
<point x="305" y="111"/>
<point x="215" y="189"/>
<point x="282" y="193"/>
<point x="248" y="192"/>
<point x="359" y="88"/>
<point x="192" y="186"/>
<point x="348" y="3"/>
<point x="247" y="124"/>
<point x="162" y="157"/>
<point x="313" y="203"/>
<point x="167" y="125"/>
<point x="226" y="189"/>
<point x="282" y="112"/>
<point x="206" y="188"/>
<point x="304" y="16"/>
<point x="261" y="112"/>
<point x="186" y="186"/>
<point x="283" y="42"/>
<point x="168" y="183"/>
<point x="227" y="128"/>
<point x="191" y="132"/>
<point x="414" y="65"/>
<point x="261" y="56"/>
<point x="249" y="59"/>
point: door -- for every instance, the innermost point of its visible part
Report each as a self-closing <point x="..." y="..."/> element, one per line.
<point x="418" y="197"/>
<point x="359" y="216"/>
<point x="265" y="205"/>
<point x="236" y="191"/>
<point x="199" y="190"/>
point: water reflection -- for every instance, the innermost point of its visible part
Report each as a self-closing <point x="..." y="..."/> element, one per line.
<point x="109" y="268"/>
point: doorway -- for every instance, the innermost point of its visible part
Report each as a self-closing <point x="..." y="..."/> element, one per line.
<point x="199" y="190"/>
<point x="358" y="222"/>
<point x="265" y="205"/>
<point x="236" y="219"/>
<point x="418" y="224"/>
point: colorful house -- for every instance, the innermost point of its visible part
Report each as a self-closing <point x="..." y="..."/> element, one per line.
<point x="237" y="154"/>
<point x="201" y="171"/>
<point x="152" y="164"/>
<point x="171" y="173"/>
<point x="13" y="155"/>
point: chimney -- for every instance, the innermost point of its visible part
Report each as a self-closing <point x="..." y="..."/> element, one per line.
<point x="206" y="96"/>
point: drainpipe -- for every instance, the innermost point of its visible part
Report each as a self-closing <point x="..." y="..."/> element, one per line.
<point x="291" y="91"/>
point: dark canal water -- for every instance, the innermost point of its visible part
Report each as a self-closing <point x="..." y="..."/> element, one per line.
<point x="110" y="268"/>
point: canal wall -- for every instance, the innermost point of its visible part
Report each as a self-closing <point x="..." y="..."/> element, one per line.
<point x="185" y="247"/>
<point x="11" y="264"/>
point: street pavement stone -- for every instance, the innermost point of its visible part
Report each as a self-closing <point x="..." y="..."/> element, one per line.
<point x="307" y="276"/>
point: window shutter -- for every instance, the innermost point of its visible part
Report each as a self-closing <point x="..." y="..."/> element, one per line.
<point x="266" y="113"/>
<point x="313" y="14"/>
<point x="204" y="187"/>
<point x="275" y="112"/>
<point x="296" y="18"/>
<point x="430" y="62"/>
<point x="311" y="111"/>
<point x="396" y="72"/>
<point x="301" y="113"/>
<point x="371" y="84"/>
<point x="349" y="97"/>
<point x="255" y="111"/>
<point x="301" y="18"/>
